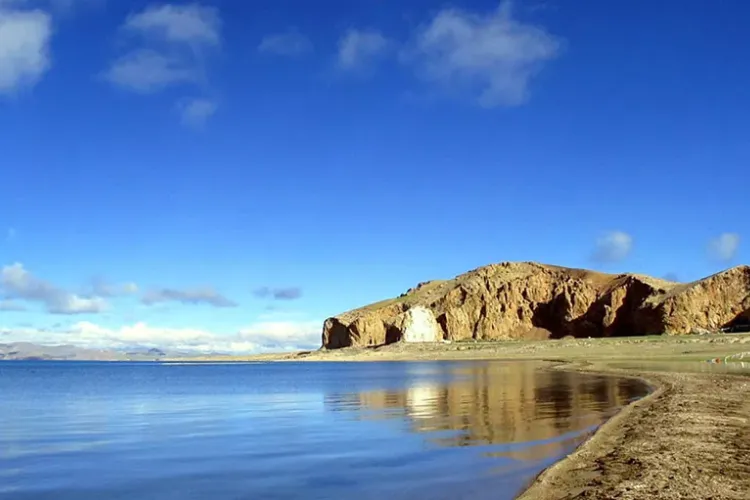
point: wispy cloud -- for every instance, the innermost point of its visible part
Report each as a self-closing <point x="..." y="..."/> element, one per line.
<point x="103" y="288"/>
<point x="146" y="71"/>
<point x="291" y="44"/>
<point x="491" y="57"/>
<point x="613" y="247"/>
<point x="358" y="49"/>
<point x="24" y="47"/>
<point x="192" y="24"/>
<point x="724" y="247"/>
<point x="10" y="234"/>
<point x="289" y="293"/>
<point x="195" y="112"/>
<point x="18" y="283"/>
<point x="173" y="45"/>
<point x="173" y="40"/>
<point x="202" y="295"/>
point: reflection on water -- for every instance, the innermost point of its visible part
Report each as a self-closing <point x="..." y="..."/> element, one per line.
<point x="532" y="414"/>
<point x="90" y="431"/>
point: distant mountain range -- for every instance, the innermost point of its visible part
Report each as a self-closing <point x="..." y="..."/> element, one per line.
<point x="29" y="351"/>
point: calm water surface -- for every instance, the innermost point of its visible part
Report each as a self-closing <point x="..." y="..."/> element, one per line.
<point x="360" y="431"/>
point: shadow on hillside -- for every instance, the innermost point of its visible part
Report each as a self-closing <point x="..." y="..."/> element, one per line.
<point x="629" y="318"/>
<point x="741" y="323"/>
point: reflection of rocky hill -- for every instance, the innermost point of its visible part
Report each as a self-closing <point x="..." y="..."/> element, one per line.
<point x="529" y="300"/>
<point x="499" y="404"/>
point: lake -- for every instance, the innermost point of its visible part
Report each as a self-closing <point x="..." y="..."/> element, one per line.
<point x="438" y="430"/>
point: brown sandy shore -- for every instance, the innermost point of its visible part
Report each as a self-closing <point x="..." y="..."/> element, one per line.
<point x="689" y="439"/>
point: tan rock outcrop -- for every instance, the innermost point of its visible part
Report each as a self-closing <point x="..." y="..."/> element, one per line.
<point x="530" y="300"/>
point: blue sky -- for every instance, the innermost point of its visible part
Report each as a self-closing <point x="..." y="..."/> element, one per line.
<point x="225" y="175"/>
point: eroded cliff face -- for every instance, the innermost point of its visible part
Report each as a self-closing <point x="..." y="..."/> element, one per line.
<point x="529" y="300"/>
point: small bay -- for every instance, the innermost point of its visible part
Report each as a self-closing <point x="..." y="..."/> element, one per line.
<point x="439" y="430"/>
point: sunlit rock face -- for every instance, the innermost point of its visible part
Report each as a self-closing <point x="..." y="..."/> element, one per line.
<point x="526" y="300"/>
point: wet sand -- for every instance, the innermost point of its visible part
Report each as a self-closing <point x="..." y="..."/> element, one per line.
<point x="689" y="439"/>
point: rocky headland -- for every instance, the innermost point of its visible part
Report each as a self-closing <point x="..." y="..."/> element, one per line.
<point x="527" y="300"/>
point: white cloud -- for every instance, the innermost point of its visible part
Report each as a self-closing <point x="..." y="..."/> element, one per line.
<point x="195" y="112"/>
<point x="259" y="337"/>
<point x="91" y="335"/>
<point x="291" y="43"/>
<point x="284" y="335"/>
<point x="491" y="56"/>
<point x="613" y="247"/>
<point x="18" y="283"/>
<point x="146" y="71"/>
<point x="192" y="24"/>
<point x="140" y="334"/>
<point x="359" y="48"/>
<point x="69" y="303"/>
<point x="725" y="246"/>
<point x="24" y="48"/>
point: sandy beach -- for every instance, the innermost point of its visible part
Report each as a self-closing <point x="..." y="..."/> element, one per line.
<point x="689" y="439"/>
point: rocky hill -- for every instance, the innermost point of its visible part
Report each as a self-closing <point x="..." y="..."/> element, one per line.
<point x="530" y="300"/>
